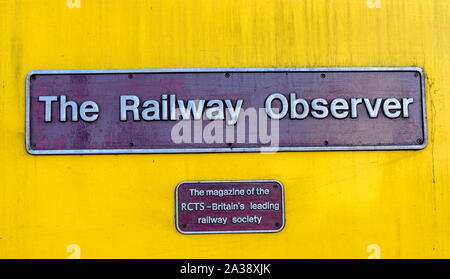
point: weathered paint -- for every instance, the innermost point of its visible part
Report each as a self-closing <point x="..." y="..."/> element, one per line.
<point x="337" y="203"/>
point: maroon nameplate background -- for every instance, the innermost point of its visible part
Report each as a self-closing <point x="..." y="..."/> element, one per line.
<point x="195" y="214"/>
<point x="110" y="135"/>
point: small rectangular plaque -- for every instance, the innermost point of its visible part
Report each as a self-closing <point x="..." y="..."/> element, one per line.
<point x="229" y="206"/>
<point x="225" y="110"/>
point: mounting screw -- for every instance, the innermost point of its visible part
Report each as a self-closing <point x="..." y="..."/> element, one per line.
<point x="277" y="225"/>
<point x="416" y="74"/>
<point x="131" y="144"/>
<point x="322" y="75"/>
<point x="325" y="142"/>
<point x="227" y="75"/>
<point x="130" y="76"/>
<point x="419" y="140"/>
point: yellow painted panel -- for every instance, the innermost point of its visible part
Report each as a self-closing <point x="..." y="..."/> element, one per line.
<point x="337" y="203"/>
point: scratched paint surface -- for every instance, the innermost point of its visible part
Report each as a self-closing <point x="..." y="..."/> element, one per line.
<point x="338" y="204"/>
